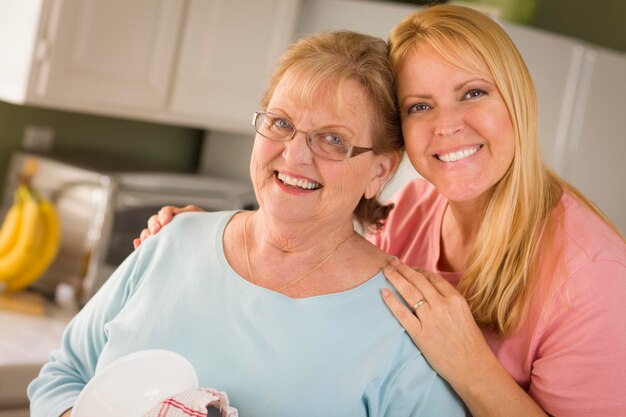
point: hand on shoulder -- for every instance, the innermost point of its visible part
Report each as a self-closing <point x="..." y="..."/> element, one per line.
<point x="160" y="219"/>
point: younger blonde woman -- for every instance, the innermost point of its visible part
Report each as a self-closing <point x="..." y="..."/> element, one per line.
<point x="536" y="322"/>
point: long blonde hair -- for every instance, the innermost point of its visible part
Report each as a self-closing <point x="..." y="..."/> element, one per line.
<point x="498" y="280"/>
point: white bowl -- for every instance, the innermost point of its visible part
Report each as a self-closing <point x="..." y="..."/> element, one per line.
<point x="132" y="385"/>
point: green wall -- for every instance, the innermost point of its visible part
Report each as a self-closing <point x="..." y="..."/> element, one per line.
<point x="601" y="22"/>
<point x="160" y="146"/>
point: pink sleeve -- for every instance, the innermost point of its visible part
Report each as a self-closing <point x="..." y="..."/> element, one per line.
<point x="580" y="368"/>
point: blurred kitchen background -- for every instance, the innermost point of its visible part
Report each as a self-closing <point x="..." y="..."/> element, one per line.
<point x="137" y="80"/>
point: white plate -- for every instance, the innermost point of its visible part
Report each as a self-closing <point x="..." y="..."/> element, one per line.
<point x="132" y="385"/>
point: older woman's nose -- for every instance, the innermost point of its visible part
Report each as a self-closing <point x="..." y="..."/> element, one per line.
<point x="297" y="150"/>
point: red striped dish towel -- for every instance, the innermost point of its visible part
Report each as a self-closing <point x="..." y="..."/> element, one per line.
<point x="202" y="402"/>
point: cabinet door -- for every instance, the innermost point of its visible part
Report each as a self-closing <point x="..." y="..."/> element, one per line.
<point x="555" y="64"/>
<point x="595" y="152"/>
<point x="19" y="22"/>
<point x="105" y="54"/>
<point x="229" y="50"/>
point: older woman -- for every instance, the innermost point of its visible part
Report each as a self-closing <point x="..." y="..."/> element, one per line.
<point x="279" y="307"/>
<point x="523" y="310"/>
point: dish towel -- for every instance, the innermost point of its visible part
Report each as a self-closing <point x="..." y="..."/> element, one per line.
<point x="202" y="402"/>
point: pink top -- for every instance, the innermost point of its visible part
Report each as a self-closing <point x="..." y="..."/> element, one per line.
<point x="570" y="355"/>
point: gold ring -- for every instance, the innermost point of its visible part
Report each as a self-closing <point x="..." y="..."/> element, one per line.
<point x="418" y="304"/>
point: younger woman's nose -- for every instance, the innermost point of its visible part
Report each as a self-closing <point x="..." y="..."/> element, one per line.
<point x="448" y="122"/>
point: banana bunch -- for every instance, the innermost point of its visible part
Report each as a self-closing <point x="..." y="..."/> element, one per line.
<point x="29" y="239"/>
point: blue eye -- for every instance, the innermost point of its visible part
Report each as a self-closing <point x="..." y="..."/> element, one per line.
<point x="281" y="123"/>
<point x="332" y="139"/>
<point x="418" y="108"/>
<point x="474" y="93"/>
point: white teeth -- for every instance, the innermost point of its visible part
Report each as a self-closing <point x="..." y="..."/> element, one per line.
<point x="298" y="182"/>
<point x="455" y="156"/>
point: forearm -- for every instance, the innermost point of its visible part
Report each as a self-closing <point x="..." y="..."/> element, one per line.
<point x="68" y="413"/>
<point x="492" y="392"/>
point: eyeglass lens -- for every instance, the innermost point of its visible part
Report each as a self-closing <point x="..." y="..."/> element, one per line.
<point x="326" y="144"/>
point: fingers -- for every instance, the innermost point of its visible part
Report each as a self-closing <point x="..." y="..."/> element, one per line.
<point x="189" y="207"/>
<point x="154" y="225"/>
<point x="407" y="289"/>
<point x="166" y="213"/>
<point x="144" y="234"/>
<point x="163" y="217"/>
<point x="405" y="316"/>
<point x="442" y="286"/>
<point x="411" y="284"/>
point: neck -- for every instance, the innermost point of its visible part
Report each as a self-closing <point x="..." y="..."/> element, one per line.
<point x="280" y="262"/>
<point x="460" y="227"/>
<point x="311" y="239"/>
<point x="465" y="220"/>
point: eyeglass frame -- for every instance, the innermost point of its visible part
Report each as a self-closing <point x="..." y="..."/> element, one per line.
<point x="353" y="150"/>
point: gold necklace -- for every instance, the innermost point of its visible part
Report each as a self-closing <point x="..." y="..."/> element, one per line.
<point x="245" y="242"/>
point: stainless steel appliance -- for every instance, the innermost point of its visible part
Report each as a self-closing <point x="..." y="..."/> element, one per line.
<point x="102" y="207"/>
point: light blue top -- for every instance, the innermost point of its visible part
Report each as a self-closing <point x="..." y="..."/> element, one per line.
<point x="341" y="354"/>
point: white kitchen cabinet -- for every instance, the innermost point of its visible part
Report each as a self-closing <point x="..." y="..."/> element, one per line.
<point x="18" y="34"/>
<point x="94" y="55"/>
<point x="198" y="63"/>
<point x="595" y="152"/>
<point x="555" y="63"/>
<point x="230" y="49"/>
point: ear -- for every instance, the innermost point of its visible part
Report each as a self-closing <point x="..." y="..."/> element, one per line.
<point x="385" y="166"/>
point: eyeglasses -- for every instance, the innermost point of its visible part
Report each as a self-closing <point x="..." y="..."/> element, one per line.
<point x="323" y="143"/>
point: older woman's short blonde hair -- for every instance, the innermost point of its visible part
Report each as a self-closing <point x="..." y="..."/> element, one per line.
<point x="321" y="62"/>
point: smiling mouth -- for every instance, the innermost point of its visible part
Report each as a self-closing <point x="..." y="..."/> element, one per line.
<point x="457" y="156"/>
<point x="298" y="182"/>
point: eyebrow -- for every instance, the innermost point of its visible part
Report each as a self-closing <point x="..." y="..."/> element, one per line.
<point x="464" y="83"/>
<point x="457" y="88"/>
<point x="344" y="130"/>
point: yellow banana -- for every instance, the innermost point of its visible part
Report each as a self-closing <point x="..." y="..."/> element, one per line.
<point x="42" y="258"/>
<point x="27" y="240"/>
<point x="11" y="224"/>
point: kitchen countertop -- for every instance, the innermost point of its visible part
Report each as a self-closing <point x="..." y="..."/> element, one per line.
<point x="28" y="338"/>
<point x="25" y="345"/>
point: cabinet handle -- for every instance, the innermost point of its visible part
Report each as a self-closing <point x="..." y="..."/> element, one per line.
<point x="42" y="51"/>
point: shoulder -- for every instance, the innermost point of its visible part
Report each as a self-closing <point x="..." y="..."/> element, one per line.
<point x="200" y="221"/>
<point x="415" y="203"/>
<point x="585" y="262"/>
<point x="417" y="192"/>
<point x="191" y="228"/>
<point x="585" y="238"/>
<point x="417" y="207"/>
<point x="579" y="362"/>
<point x="189" y="235"/>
